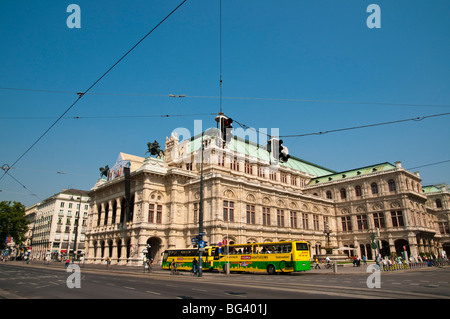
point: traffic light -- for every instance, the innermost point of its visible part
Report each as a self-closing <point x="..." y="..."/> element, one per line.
<point x="280" y="152"/>
<point x="283" y="152"/>
<point x="225" y="128"/>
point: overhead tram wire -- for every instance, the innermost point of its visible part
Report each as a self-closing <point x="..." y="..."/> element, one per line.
<point x="431" y="164"/>
<point x="415" y="119"/>
<point x="106" y="117"/>
<point x="81" y="94"/>
<point x="220" y="97"/>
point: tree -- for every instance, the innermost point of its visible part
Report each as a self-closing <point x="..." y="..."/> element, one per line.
<point x="12" y="223"/>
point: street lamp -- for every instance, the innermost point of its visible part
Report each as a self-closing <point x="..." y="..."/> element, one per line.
<point x="327" y="232"/>
<point x="76" y="231"/>
<point x="200" y="217"/>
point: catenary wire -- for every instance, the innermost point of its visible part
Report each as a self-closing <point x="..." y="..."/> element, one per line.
<point x="81" y="94"/>
<point x="416" y="119"/>
<point x="234" y="98"/>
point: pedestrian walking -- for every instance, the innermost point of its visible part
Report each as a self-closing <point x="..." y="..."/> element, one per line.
<point x="194" y="267"/>
<point x="317" y="264"/>
<point x="150" y="265"/>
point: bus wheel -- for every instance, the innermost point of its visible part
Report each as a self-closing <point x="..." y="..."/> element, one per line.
<point x="271" y="269"/>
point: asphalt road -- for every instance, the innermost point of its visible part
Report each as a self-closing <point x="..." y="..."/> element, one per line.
<point x="19" y="280"/>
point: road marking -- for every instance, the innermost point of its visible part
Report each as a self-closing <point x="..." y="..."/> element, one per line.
<point x="153" y="292"/>
<point x="129" y="288"/>
<point x="196" y="289"/>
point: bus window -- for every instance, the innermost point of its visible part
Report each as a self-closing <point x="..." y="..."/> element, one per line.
<point x="166" y="254"/>
<point x="302" y="246"/>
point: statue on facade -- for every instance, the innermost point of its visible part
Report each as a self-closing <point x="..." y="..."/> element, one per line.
<point x="153" y="149"/>
<point x="104" y="171"/>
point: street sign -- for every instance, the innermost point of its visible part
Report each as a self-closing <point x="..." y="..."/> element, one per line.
<point x="201" y="244"/>
<point x="220" y="244"/>
<point x="225" y="242"/>
<point x="194" y="241"/>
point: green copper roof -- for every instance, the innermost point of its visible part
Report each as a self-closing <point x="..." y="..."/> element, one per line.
<point x="431" y="189"/>
<point x="250" y="149"/>
<point x="352" y="173"/>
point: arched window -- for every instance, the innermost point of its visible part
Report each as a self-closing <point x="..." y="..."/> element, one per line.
<point x="99" y="216"/>
<point x="391" y="184"/>
<point x="374" y="188"/>
<point x="343" y="193"/>
<point x="358" y="190"/>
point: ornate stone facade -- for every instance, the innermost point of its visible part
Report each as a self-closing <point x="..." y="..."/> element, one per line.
<point x="248" y="198"/>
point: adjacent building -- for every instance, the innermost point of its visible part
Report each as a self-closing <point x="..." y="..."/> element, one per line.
<point x="60" y="224"/>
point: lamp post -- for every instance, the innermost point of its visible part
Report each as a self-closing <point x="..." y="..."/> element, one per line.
<point x="200" y="217"/>
<point x="327" y="232"/>
<point x="76" y="232"/>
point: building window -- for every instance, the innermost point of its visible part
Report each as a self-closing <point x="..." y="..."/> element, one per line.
<point x="316" y="222"/>
<point x="266" y="216"/>
<point x="294" y="219"/>
<point x="374" y="188"/>
<point x="234" y="165"/>
<point x="362" y="222"/>
<point x="61" y="205"/>
<point x="293" y="180"/>
<point x="261" y="171"/>
<point x="397" y="218"/>
<point x="151" y="214"/>
<point x="443" y="228"/>
<point x="358" y="191"/>
<point x="273" y="176"/>
<point x="305" y="221"/>
<point x="378" y="219"/>
<point x="195" y="213"/>
<point x="99" y="214"/>
<point x="329" y="195"/>
<point x="189" y="166"/>
<point x="221" y="160"/>
<point x="343" y="193"/>
<point x="346" y="223"/>
<point x="280" y="218"/>
<point x="438" y="203"/>
<point x="248" y="168"/>
<point x="391" y="184"/>
<point x="159" y="214"/>
<point x="250" y="214"/>
<point x="228" y="211"/>
<point x="283" y="177"/>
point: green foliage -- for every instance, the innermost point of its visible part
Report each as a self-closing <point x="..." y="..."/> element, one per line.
<point x="12" y="223"/>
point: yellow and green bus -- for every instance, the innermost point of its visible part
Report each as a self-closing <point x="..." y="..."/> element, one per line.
<point x="184" y="258"/>
<point x="273" y="257"/>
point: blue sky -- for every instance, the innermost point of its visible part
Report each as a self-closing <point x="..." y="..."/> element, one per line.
<point x="274" y="55"/>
